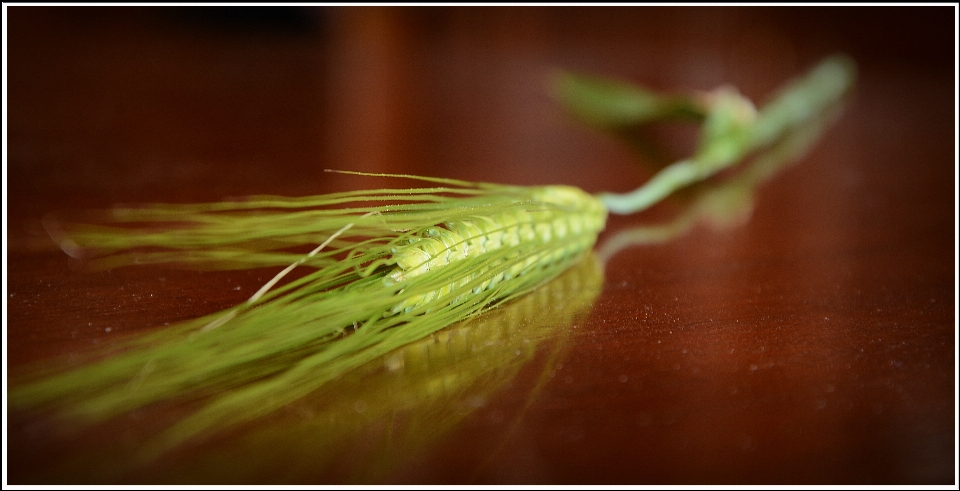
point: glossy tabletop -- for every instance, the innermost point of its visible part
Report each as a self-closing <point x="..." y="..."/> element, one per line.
<point x="805" y="333"/>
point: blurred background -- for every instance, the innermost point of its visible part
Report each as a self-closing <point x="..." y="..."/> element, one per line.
<point x="813" y="345"/>
<point x="136" y="103"/>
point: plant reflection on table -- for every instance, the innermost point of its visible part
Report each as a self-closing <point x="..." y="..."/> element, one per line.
<point x="369" y="422"/>
<point x="358" y="428"/>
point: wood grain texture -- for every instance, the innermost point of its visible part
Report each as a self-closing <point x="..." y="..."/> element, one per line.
<point x="814" y="343"/>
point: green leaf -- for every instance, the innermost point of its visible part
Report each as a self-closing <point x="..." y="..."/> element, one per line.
<point x="607" y="103"/>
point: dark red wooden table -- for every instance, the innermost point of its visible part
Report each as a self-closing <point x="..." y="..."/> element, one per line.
<point x="813" y="343"/>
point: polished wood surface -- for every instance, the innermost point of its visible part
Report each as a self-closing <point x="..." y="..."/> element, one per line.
<point x="811" y="341"/>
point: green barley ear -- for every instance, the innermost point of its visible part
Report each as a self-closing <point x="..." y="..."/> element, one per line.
<point x="385" y="268"/>
<point x="391" y="267"/>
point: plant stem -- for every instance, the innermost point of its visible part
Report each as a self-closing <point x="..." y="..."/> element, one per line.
<point x="730" y="133"/>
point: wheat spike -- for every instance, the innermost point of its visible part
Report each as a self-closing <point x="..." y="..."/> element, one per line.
<point x="387" y="267"/>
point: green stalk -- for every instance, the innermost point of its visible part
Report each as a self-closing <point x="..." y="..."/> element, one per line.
<point x="733" y="130"/>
